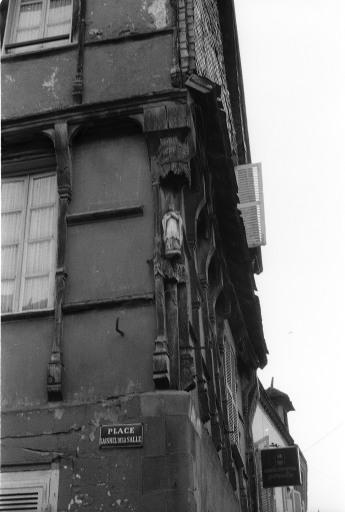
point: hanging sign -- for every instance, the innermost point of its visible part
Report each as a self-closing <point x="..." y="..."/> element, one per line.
<point x="280" y="467"/>
<point x="122" y="435"/>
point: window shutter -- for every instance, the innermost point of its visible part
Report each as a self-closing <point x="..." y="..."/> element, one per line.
<point x="231" y="397"/>
<point x="250" y="193"/>
<point x="29" y="490"/>
<point x="297" y="501"/>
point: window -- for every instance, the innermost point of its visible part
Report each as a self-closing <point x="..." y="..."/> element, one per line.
<point x="34" y="24"/>
<point x="29" y="490"/>
<point x="29" y="228"/>
<point x="231" y="391"/>
<point x="250" y="194"/>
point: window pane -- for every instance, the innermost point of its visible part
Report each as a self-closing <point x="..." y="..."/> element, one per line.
<point x="42" y="222"/>
<point x="29" y="21"/>
<point x="38" y="258"/>
<point x="11" y="227"/>
<point x="12" y="195"/>
<point x="36" y="292"/>
<point x="43" y="191"/>
<point x="7" y="293"/>
<point x="9" y="257"/>
<point x="59" y="17"/>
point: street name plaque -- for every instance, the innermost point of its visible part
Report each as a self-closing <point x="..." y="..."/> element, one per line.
<point x="123" y="435"/>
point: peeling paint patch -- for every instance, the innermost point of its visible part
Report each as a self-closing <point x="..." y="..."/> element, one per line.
<point x="51" y="83"/>
<point x="96" y="33"/>
<point x="79" y="500"/>
<point x="9" y="79"/>
<point x="58" y="413"/>
<point x="158" y="11"/>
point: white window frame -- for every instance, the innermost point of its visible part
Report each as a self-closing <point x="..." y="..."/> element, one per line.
<point x="43" y="41"/>
<point x="18" y="295"/>
<point x="44" y="483"/>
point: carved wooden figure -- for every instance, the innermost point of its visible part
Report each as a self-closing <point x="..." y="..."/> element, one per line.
<point x="167" y="129"/>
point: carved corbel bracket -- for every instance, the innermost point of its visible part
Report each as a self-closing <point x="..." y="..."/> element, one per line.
<point x="61" y="138"/>
<point x="54" y="380"/>
<point x="203" y="400"/>
<point x="187" y="369"/>
<point x="216" y="430"/>
<point x="173" y="157"/>
<point x="161" y="363"/>
<point x="161" y="358"/>
<point x="169" y="129"/>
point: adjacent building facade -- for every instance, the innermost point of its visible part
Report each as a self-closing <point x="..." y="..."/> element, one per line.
<point x="128" y="297"/>
<point x="271" y="429"/>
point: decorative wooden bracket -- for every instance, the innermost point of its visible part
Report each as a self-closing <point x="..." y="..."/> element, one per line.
<point x="61" y="139"/>
<point x="168" y="132"/>
<point x="161" y="359"/>
<point x="187" y="363"/>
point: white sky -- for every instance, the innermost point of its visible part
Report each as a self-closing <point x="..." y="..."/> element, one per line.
<point x="293" y="59"/>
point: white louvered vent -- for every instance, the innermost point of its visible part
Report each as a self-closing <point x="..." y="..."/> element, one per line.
<point x="250" y="193"/>
<point x="29" y="490"/>
<point x="23" y="499"/>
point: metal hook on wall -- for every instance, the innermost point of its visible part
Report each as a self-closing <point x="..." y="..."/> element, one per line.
<point x="117" y="327"/>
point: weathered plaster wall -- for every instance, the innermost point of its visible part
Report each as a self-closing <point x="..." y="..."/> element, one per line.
<point x="110" y="172"/>
<point x="25" y="351"/>
<point x="114" y="67"/>
<point x="214" y="492"/>
<point x="99" y="362"/>
<point x="109" y="19"/>
<point x="108" y="259"/>
<point x="171" y="472"/>
<point x="116" y="263"/>
<point x="128" y="68"/>
<point x="43" y="82"/>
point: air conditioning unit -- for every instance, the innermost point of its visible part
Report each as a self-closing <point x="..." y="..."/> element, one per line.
<point x="250" y="193"/>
